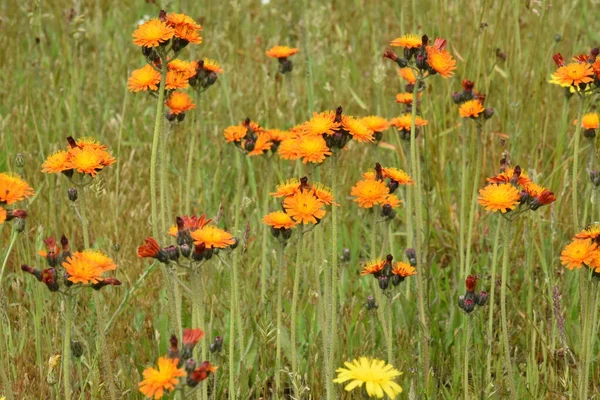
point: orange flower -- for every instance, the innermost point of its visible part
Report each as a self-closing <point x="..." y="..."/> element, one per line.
<point x="211" y="66"/>
<point x="592" y="231"/>
<point x="278" y="220"/>
<point x="89" y="161"/>
<point x="180" y="102"/>
<point x="149" y="249"/>
<point x="409" y="41"/>
<point x="408" y="75"/>
<point x="165" y="378"/>
<point x="313" y="149"/>
<point x="471" y="109"/>
<point x="304" y="207"/>
<point x="189" y="223"/>
<point x="580" y="252"/>
<point x="369" y="192"/>
<point x="507" y="175"/>
<point x="397" y="175"/>
<point x="185" y="27"/>
<point x="145" y="78"/>
<point x="323" y="193"/>
<point x="188" y="34"/>
<point x="499" y="197"/>
<point x="403" y="269"/>
<point x="177" y="80"/>
<point x="404" y="98"/>
<point x="183" y="67"/>
<point x="574" y="74"/>
<point x="212" y="237"/>
<point x="277" y="135"/>
<point x="392" y="200"/>
<point x="358" y="129"/>
<point x="56" y="163"/>
<point x="404" y="122"/>
<point x="288" y="188"/>
<point x="235" y="133"/>
<point x="375" y="123"/>
<point x="13" y="188"/>
<point x="263" y="143"/>
<point x="373" y="267"/>
<point x="289" y="149"/>
<point x="441" y="61"/>
<point x="87" y="266"/>
<point x="589" y="121"/>
<point x="322" y="124"/>
<point x="152" y="33"/>
<point x="281" y="51"/>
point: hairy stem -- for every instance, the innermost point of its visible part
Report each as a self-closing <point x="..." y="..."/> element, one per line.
<point x="66" y="355"/>
<point x="506" y="344"/>
<point x="280" y="282"/>
<point x="490" y="336"/>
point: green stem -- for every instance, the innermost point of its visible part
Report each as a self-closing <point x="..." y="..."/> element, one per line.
<point x="463" y="205"/>
<point x="466" y="358"/>
<point x="473" y="201"/>
<point x="390" y="331"/>
<point x="421" y="254"/>
<point x="294" y="311"/>
<point x="490" y="335"/>
<point x="11" y="243"/>
<point x="155" y="146"/>
<point x="198" y="321"/>
<point x="504" y="284"/>
<point x="574" y="182"/>
<point x="280" y="282"/>
<point x="4" y="357"/>
<point x="334" y="278"/>
<point x="587" y="346"/>
<point x="66" y="355"/>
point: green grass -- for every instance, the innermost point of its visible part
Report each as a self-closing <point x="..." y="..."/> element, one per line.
<point x="63" y="78"/>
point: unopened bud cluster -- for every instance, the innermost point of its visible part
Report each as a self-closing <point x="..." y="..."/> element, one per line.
<point x="196" y="372"/>
<point x="470" y="299"/>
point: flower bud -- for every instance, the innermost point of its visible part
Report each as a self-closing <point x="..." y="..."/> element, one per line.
<point x="179" y="44"/>
<point x="72" y="194"/>
<point x="49" y="277"/>
<point x="20" y="225"/>
<point x="397" y="279"/>
<point x="589" y="133"/>
<point x="20" y="160"/>
<point x="106" y="282"/>
<point x="371" y="304"/>
<point x="33" y="271"/>
<point x="285" y="65"/>
<point x="286" y="233"/>
<point x="346" y="255"/>
<point x="469" y="305"/>
<point x="421" y="63"/>
<point x="172" y="252"/>
<point x="411" y="254"/>
<point x="190" y="365"/>
<point x="173" y="351"/>
<point x="470" y="283"/>
<point x="76" y="348"/>
<point x="595" y="178"/>
<point x="457" y="97"/>
<point x="402" y="62"/>
<point x="275" y="231"/>
<point x="488" y="113"/>
<point x="482" y="298"/>
<point x="461" y="301"/>
<point x="384" y="282"/>
<point x="185" y="250"/>
<point x="387" y="211"/>
<point x="216" y="345"/>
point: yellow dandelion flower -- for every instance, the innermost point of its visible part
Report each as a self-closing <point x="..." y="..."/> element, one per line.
<point x="13" y="188"/>
<point x="165" y="378"/>
<point x="304" y="207"/>
<point x="409" y="41"/>
<point x="471" y="109"/>
<point x="145" y="78"/>
<point x="152" y="33"/>
<point x="499" y="197"/>
<point x="377" y="376"/>
<point x="369" y="192"/>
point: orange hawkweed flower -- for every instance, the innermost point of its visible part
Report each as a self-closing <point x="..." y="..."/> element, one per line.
<point x="174" y="19"/>
<point x="188" y="34"/>
<point x="278" y="135"/>
<point x="165" y="378"/>
<point x="313" y="149"/>
<point x="289" y="149"/>
<point x="471" y="109"/>
<point x="281" y="51"/>
<point x="304" y="207"/>
<point x="177" y="80"/>
<point x="397" y="175"/>
<point x="441" y="61"/>
<point x="180" y="102"/>
<point x="278" y="220"/>
<point x="56" y="163"/>
<point x="580" y="252"/>
<point x="589" y="121"/>
<point x="212" y="237"/>
<point x="404" y="122"/>
<point x="183" y="67"/>
<point x="507" y="175"/>
<point x="322" y="124"/>
<point x="189" y="223"/>
<point x="288" y="188"/>
<point x="403" y="269"/>
<point x="499" y="197"/>
<point x="358" y="130"/>
<point x="145" y="78"/>
<point x="3" y="215"/>
<point x="369" y="192"/>
<point x="404" y="98"/>
<point x="375" y="123"/>
<point x="152" y="33"/>
<point x="13" y="188"/>
<point x="211" y="66"/>
<point x="263" y="143"/>
<point x="373" y="267"/>
<point x="87" y="266"/>
<point x="575" y="73"/>
<point x="409" y="41"/>
<point x="235" y="133"/>
<point x="392" y="200"/>
<point x="592" y="231"/>
<point x="89" y="161"/>
<point x="323" y="193"/>
<point x="408" y="74"/>
<point x="149" y="249"/>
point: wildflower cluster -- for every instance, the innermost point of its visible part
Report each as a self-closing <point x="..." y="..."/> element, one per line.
<point x="197" y="240"/>
<point x="12" y="190"/>
<point x="252" y="139"/>
<point x="282" y="53"/>
<point x="385" y="271"/>
<point x="378" y="187"/>
<point x="512" y="188"/>
<point x="377" y="376"/>
<point x="584" y="250"/>
<point x="85" y="268"/>
<point x="471" y="103"/>
<point x="176" y="364"/>
<point x="581" y="75"/>
<point x="85" y="156"/>
<point x="470" y="299"/>
<point x="162" y="40"/>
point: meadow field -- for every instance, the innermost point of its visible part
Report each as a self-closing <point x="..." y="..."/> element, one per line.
<point x="189" y="210"/>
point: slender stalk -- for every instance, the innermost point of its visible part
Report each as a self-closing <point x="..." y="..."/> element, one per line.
<point x="574" y="182"/>
<point x="588" y="337"/>
<point x="294" y="312"/>
<point x="419" y="236"/>
<point x="280" y="282"/>
<point x="463" y="212"/>
<point x="156" y="139"/>
<point x="198" y="315"/>
<point x="66" y="355"/>
<point x="490" y="336"/>
<point x="11" y="243"/>
<point x="505" y="342"/>
<point x="390" y="330"/>
<point x="466" y="358"/>
<point x="473" y="200"/>
<point x="4" y="357"/>
<point x="334" y="279"/>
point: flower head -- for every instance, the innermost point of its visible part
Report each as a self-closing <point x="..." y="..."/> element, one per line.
<point x="590" y="232"/>
<point x="409" y="41"/>
<point x="403" y="269"/>
<point x="373" y="267"/>
<point x="289" y="149"/>
<point x="56" y="163"/>
<point x="184" y="67"/>
<point x="322" y="124"/>
<point x="358" y="130"/>
<point x="13" y="188"/>
<point x="304" y="207"/>
<point x="589" y="121"/>
<point x="369" y="192"/>
<point x="177" y="80"/>
<point x="262" y="144"/>
<point x="580" y="252"/>
<point x="404" y="122"/>
<point x="89" y="161"/>
<point x="150" y="248"/>
<point x="501" y="197"/>
<point x="471" y="109"/>
<point x="377" y="376"/>
<point x="397" y="175"/>
<point x="152" y="33"/>
<point x="165" y="378"/>
<point x="408" y="75"/>
<point x="441" y="61"/>
<point x="145" y="78"/>
<point x="323" y="193"/>
<point x="404" y="98"/>
<point x="281" y="51"/>
<point x="287" y="188"/>
<point x="235" y="133"/>
<point x="185" y="28"/>
<point x="575" y="74"/>
<point x="212" y="237"/>
<point x="375" y="123"/>
<point x="180" y="102"/>
<point x="278" y="220"/>
<point x="313" y="149"/>
<point x="87" y="266"/>
<point x="508" y="174"/>
<point x="211" y="66"/>
<point x="189" y="223"/>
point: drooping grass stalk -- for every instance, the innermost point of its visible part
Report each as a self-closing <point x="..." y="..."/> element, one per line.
<point x="66" y="354"/>
<point x="334" y="278"/>
<point x="503" y="285"/>
<point x="295" y="290"/>
<point x="417" y="187"/>
<point x="280" y="282"/>
<point x="467" y="352"/>
<point x="490" y="336"/>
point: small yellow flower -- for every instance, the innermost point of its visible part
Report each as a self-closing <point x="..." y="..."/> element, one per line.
<point x="377" y="376"/>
